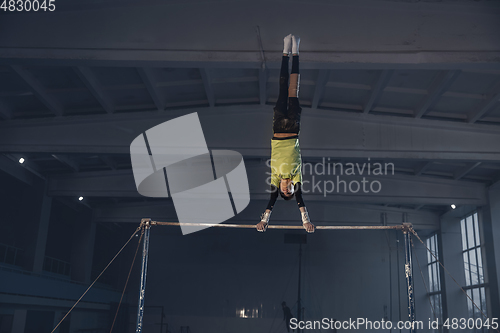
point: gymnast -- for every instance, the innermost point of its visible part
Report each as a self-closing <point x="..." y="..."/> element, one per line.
<point x="286" y="161"/>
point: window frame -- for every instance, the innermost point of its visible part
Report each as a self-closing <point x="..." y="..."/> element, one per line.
<point x="434" y="272"/>
<point x="478" y="250"/>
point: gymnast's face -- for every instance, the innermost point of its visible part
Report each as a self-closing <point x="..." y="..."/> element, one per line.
<point x="286" y="186"/>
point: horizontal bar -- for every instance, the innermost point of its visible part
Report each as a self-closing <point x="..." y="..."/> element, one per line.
<point x="279" y="226"/>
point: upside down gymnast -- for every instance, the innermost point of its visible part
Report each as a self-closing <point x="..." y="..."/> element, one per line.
<point x="286" y="161"/>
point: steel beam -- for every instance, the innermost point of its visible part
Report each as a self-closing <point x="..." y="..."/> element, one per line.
<point x="108" y="160"/>
<point x="423" y="167"/>
<point x="396" y="189"/>
<point x="207" y="83"/>
<point x="90" y="80"/>
<point x="442" y="82"/>
<point x="16" y="170"/>
<point x="67" y="161"/>
<point x="147" y="78"/>
<point x="492" y="99"/>
<point x="378" y="88"/>
<point x="323" y="134"/>
<point x="39" y="90"/>
<point x="462" y="172"/>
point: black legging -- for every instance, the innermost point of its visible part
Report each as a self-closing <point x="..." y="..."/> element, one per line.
<point x="287" y="117"/>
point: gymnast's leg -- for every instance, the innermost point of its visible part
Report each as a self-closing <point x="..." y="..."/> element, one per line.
<point x="280" y="110"/>
<point x="294" y="109"/>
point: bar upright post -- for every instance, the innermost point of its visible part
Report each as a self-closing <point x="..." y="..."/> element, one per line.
<point x="146" y="225"/>
<point x="409" y="275"/>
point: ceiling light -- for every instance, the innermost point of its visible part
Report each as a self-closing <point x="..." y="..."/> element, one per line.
<point x="80" y="198"/>
<point x="21" y="160"/>
<point x="453" y="206"/>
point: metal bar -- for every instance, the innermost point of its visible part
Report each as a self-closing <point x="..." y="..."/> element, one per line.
<point x="405" y="227"/>
<point x="409" y="278"/>
<point x="440" y="85"/>
<point x="149" y="82"/>
<point x="67" y="161"/>
<point x="377" y="89"/>
<point x="252" y="226"/>
<point x="462" y="172"/>
<point x="422" y="168"/>
<point x="90" y="80"/>
<point x="207" y="82"/>
<point x="39" y="90"/>
<point x="144" y="269"/>
<point x="493" y="97"/>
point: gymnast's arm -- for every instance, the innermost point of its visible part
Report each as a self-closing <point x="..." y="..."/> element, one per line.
<point x="298" y="197"/>
<point x="272" y="198"/>
<point x="303" y="211"/>
<point x="264" y="219"/>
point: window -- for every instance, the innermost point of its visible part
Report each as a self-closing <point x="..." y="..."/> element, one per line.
<point x="473" y="265"/>
<point x="56" y="266"/>
<point x="11" y="255"/>
<point x="434" y="278"/>
<point x="247" y="313"/>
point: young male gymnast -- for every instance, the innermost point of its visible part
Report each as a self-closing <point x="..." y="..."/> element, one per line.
<point x="286" y="162"/>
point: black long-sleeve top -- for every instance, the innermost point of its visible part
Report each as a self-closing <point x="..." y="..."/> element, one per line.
<point x="275" y="193"/>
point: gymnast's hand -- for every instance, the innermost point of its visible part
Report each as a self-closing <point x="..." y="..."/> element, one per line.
<point x="264" y="221"/>
<point x="306" y="222"/>
<point x="261" y="226"/>
<point x="309" y="227"/>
